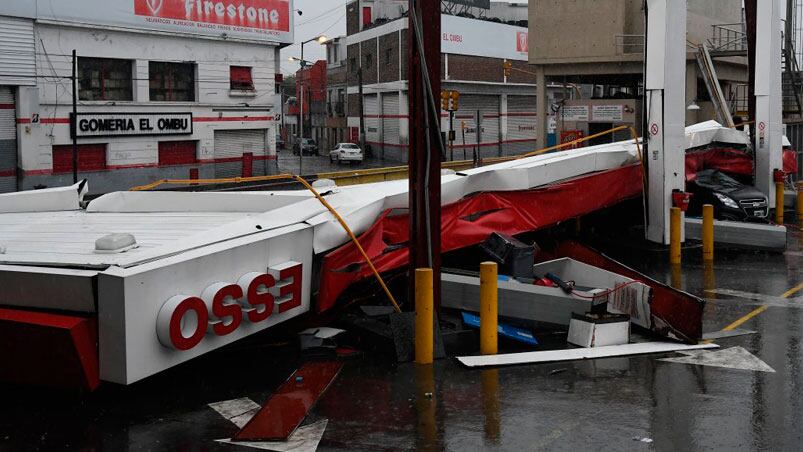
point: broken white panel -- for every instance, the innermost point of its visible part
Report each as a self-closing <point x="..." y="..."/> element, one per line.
<point x="729" y="358"/>
<point x="579" y="354"/>
<point x="304" y="439"/>
<point x="545" y="169"/>
<point x="708" y="132"/>
<point x="238" y="411"/>
<point x="45" y="200"/>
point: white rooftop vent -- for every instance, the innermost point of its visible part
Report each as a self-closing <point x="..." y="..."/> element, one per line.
<point x="115" y="243"/>
<point x="324" y="184"/>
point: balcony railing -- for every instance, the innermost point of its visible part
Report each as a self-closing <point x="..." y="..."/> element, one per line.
<point x="728" y="38"/>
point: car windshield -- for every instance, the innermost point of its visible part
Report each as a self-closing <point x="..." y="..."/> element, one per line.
<point x="717" y="178"/>
<point x="349" y="146"/>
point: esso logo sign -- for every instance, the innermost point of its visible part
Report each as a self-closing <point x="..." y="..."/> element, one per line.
<point x="221" y="308"/>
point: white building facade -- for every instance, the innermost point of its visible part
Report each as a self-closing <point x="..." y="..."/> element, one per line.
<point x="165" y="89"/>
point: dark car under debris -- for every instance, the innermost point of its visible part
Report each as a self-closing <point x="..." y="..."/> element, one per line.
<point x="731" y="199"/>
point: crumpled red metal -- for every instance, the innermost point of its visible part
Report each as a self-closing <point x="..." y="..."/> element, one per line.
<point x="472" y="219"/>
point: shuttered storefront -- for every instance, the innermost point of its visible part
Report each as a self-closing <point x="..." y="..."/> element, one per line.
<point x="371" y="108"/>
<point x="17" y="52"/>
<point x="488" y="108"/>
<point x="8" y="141"/>
<point x="230" y="145"/>
<point x="390" y="126"/>
<point x="521" y="124"/>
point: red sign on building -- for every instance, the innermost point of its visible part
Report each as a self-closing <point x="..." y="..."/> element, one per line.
<point x="257" y="14"/>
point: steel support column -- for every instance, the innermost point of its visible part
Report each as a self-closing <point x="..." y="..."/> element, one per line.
<point x="666" y="111"/>
<point x="769" y="101"/>
<point x="425" y="153"/>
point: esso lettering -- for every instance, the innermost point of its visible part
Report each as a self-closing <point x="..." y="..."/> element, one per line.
<point x="221" y="309"/>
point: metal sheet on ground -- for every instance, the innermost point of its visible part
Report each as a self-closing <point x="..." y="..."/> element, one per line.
<point x="305" y="439"/>
<point x="238" y="411"/>
<point x="578" y="354"/>
<point x="289" y="405"/>
<point x="726" y="334"/>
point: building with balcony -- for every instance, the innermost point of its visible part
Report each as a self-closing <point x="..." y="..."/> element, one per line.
<point x="496" y="114"/>
<point x="337" y="87"/>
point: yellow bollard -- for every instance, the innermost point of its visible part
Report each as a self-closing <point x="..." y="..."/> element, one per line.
<point x="708" y="233"/>
<point x="779" y="205"/>
<point x="674" y="235"/>
<point x="488" y="308"/>
<point x="424" y="329"/>
<point x="800" y="204"/>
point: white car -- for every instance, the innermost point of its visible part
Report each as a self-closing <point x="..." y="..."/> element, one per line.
<point x="346" y="152"/>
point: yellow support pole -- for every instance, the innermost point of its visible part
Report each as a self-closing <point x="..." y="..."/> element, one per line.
<point x="800" y="204"/>
<point x="779" y="206"/>
<point x="674" y="236"/>
<point x="708" y="233"/>
<point x="424" y="329"/>
<point x="489" y="311"/>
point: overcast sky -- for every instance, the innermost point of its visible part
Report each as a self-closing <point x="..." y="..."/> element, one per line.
<point x="326" y="17"/>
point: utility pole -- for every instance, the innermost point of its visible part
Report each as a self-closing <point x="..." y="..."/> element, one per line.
<point x="74" y="122"/>
<point x="425" y="141"/>
<point x="362" y="109"/>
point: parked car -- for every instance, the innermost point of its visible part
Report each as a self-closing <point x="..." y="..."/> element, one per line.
<point x="731" y="199"/>
<point x="280" y="144"/>
<point x="307" y="146"/>
<point x="346" y="152"/>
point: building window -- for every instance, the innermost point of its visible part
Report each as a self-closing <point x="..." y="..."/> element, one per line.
<point x="104" y="79"/>
<point x="91" y="157"/>
<point x="177" y="153"/>
<point x="172" y="82"/>
<point x="388" y="54"/>
<point x="241" y="79"/>
<point x="352" y="65"/>
<point x="369" y="60"/>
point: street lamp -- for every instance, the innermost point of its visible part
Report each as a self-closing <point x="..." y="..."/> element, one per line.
<point x="321" y="39"/>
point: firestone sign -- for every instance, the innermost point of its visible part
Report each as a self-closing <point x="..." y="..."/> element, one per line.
<point x="240" y="15"/>
<point x="252" y="20"/>
<point x="135" y="124"/>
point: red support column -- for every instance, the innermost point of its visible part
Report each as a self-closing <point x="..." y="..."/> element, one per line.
<point x="425" y="227"/>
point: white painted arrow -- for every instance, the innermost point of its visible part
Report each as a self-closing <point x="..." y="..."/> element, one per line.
<point x="730" y="358"/>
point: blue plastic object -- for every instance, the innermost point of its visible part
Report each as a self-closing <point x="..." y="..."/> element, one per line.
<point x="508" y="331"/>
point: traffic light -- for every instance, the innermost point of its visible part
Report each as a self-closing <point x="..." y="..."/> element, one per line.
<point x="454" y="97"/>
<point x="445" y="100"/>
<point x="507" y="66"/>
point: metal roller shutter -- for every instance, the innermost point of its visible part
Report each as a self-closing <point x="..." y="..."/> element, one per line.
<point x="521" y="119"/>
<point x="371" y="118"/>
<point x="230" y="145"/>
<point x="8" y="141"/>
<point x="390" y="118"/>
<point x="488" y="106"/>
<point x="18" y="56"/>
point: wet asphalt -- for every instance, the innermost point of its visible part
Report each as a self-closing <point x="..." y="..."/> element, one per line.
<point x="637" y="403"/>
